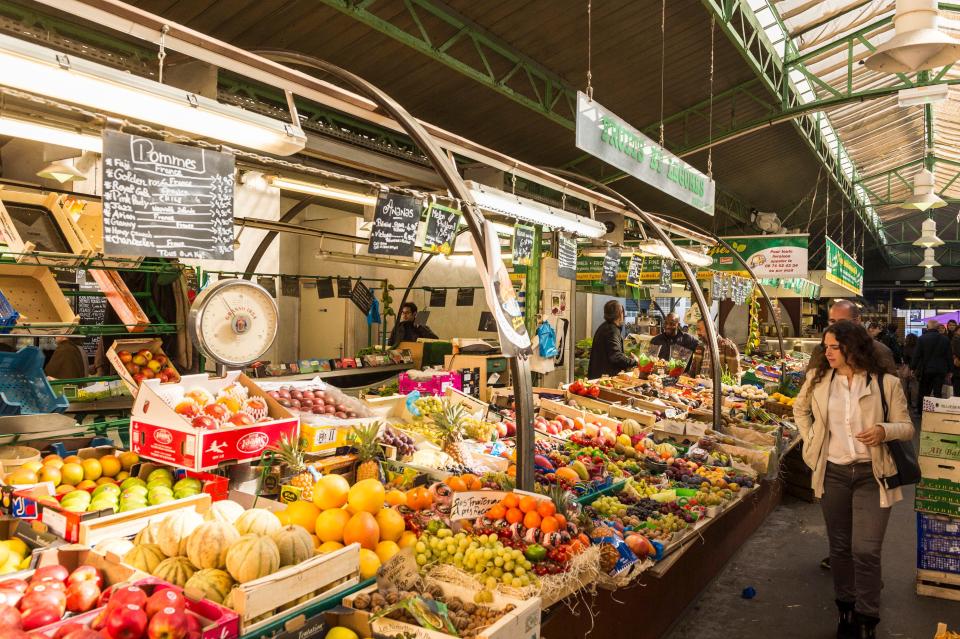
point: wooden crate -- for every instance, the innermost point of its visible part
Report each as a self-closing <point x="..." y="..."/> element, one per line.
<point x="33" y="292"/>
<point x="942" y="585"/>
<point x="619" y="412"/>
<point x="122" y="300"/>
<point x="75" y="243"/>
<point x="89" y="219"/>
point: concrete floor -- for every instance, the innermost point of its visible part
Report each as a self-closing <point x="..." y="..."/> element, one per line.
<point x="795" y="596"/>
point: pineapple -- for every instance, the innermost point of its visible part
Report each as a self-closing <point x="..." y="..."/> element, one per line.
<point x="449" y="422"/>
<point x="561" y="499"/>
<point x="364" y="439"/>
<point x="291" y="453"/>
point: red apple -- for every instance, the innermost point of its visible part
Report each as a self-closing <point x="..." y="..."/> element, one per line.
<point x="241" y="419"/>
<point x="101" y="619"/>
<point x="166" y="598"/>
<point x="9" y="617"/>
<point x="14" y="584"/>
<point x="188" y="408"/>
<point x="216" y="411"/>
<point x="145" y="354"/>
<point x="204" y="422"/>
<point x="196" y="628"/>
<point x="138" y="378"/>
<point x="86" y="573"/>
<point x="132" y="368"/>
<point x="66" y="629"/>
<point x="160" y="359"/>
<point x="129" y="595"/>
<point x="163" y="377"/>
<point x="147" y="373"/>
<point x="84" y="633"/>
<point x="39" y="616"/>
<point x="82" y="596"/>
<point x="172" y="374"/>
<point x="58" y="572"/>
<point x="44" y="596"/>
<point x="10" y="597"/>
<point x="124" y="356"/>
<point x="105" y="596"/>
<point x="169" y="623"/>
<point x="125" y="621"/>
<point x="47" y="583"/>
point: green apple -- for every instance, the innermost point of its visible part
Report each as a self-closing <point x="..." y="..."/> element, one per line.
<point x="160" y="473"/>
<point x="156" y="483"/>
<point x="132" y="481"/>
<point x="187" y="483"/>
<point x="136" y="490"/>
<point x="106" y="489"/>
<point x="161" y="499"/>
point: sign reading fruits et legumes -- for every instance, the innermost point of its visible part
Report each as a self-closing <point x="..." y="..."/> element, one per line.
<point x="166" y="200"/>
<point x="395" y="223"/>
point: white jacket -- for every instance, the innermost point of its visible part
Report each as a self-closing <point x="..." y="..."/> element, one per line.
<point x="810" y="414"/>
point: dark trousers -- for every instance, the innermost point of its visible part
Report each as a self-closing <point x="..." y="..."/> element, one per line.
<point x="856" y="525"/>
<point x="956" y="381"/>
<point x="931" y="385"/>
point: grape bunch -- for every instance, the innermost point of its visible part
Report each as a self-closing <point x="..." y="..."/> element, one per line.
<point x="428" y="405"/>
<point x="478" y="429"/>
<point x="402" y="442"/>
<point x="665" y="526"/>
<point x="609" y="506"/>
<point x="485" y="556"/>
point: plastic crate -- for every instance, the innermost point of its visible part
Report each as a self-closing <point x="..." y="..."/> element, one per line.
<point x="8" y="315"/>
<point x="24" y="389"/>
<point x="436" y="385"/>
<point x="937" y="525"/>
<point x="939" y="562"/>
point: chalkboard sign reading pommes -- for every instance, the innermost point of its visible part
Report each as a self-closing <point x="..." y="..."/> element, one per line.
<point x="395" y="223"/>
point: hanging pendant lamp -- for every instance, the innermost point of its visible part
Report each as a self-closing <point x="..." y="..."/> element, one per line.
<point x="928" y="277"/>
<point x="929" y="260"/>
<point x="918" y="43"/>
<point x="924" y="196"/>
<point x="928" y="235"/>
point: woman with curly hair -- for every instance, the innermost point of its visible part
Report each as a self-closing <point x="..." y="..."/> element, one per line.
<point x="848" y="407"/>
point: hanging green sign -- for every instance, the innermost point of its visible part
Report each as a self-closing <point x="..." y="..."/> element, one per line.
<point x="842" y="269"/>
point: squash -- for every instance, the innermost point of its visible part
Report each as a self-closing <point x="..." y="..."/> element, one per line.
<point x="225" y="510"/>
<point x="174" y="530"/>
<point x="145" y="557"/>
<point x="148" y="535"/>
<point x="631" y="427"/>
<point x="258" y="521"/>
<point x="174" y="570"/>
<point x="252" y="557"/>
<point x="207" y="545"/>
<point x="294" y="543"/>
<point x="214" y="584"/>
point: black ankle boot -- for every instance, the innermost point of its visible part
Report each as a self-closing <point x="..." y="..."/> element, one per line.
<point x="847" y="624"/>
<point x="866" y="626"/>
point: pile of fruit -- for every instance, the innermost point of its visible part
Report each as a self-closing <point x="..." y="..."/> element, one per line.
<point x="145" y="365"/>
<point x="232" y="406"/>
<point x="132" y="493"/>
<point x="584" y="389"/>
<point x="14" y="556"/>
<point x="317" y="400"/>
<point x="780" y="398"/>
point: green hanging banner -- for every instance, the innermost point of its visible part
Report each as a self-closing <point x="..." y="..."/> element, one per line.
<point x="842" y="269"/>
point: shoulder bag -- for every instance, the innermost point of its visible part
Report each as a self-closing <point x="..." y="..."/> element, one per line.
<point x="903" y="453"/>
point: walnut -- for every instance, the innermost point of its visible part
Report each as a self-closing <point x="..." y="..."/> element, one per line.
<point x="378" y="600"/>
<point x="454" y="605"/>
<point x="509" y="608"/>
<point x="469" y="607"/>
<point x="361" y="601"/>
<point x="435" y="591"/>
<point x="392" y="597"/>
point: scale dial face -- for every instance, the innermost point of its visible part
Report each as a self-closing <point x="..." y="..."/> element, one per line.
<point x="234" y="322"/>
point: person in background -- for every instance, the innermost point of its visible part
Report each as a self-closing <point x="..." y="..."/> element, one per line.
<point x="941" y="329"/>
<point x="910" y="385"/>
<point x="951" y="328"/>
<point x="847" y="408"/>
<point x="606" y="354"/>
<point x="673" y="336"/>
<point x="847" y="310"/>
<point x="888" y="337"/>
<point x="68" y="360"/>
<point x="932" y="360"/>
<point x="406" y="329"/>
<point x="702" y="363"/>
<point x="874" y="329"/>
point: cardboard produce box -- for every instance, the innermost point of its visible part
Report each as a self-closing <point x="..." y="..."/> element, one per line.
<point x="942" y="445"/>
<point x="37" y="541"/>
<point x="132" y="346"/>
<point x="159" y="433"/>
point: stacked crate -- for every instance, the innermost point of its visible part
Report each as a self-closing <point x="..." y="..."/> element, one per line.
<point x="938" y="500"/>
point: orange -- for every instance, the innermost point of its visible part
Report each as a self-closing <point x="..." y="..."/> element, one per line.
<point x="330" y="524"/>
<point x="408" y="538"/>
<point x="497" y="512"/>
<point x="396" y="497"/>
<point x="72" y="459"/>
<point x="419" y="498"/>
<point x="362" y="529"/>
<point x="546" y="508"/>
<point x="367" y="495"/>
<point x="330" y="491"/>
<point x="512" y="470"/>
<point x="329" y="546"/>
<point x="53" y="460"/>
<point x="561" y="520"/>
<point x="531" y="519"/>
<point x="128" y="459"/>
<point x="511" y="501"/>
<point x="92" y="469"/>
<point x="514" y="515"/>
<point x="391" y="524"/>
<point x="472" y="481"/>
<point x="304" y="514"/>
<point x="548" y="525"/>
<point x="283" y="516"/>
<point x="456" y="484"/>
<point x="385" y="550"/>
<point x="528" y="504"/>
<point x="111" y="465"/>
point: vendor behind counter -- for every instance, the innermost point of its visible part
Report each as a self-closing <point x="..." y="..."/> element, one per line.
<point x="673" y="336"/>
<point x="406" y="329"/>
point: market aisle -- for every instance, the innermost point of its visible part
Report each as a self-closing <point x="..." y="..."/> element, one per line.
<point x="795" y="597"/>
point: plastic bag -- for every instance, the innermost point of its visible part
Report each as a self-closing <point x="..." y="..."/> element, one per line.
<point x="548" y="340"/>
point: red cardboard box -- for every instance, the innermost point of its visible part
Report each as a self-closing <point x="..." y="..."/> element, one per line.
<point x="159" y="433"/>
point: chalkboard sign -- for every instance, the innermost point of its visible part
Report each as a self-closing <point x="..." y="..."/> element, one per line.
<point x="488" y="323"/>
<point x="441" y="227"/>
<point x="270" y="284"/>
<point x="166" y="200"/>
<point x="289" y="286"/>
<point x="395" y="222"/>
<point x="522" y="244"/>
<point x="464" y="297"/>
<point x="325" y="288"/>
<point x="611" y="264"/>
<point x="438" y="297"/>
<point x="634" y="270"/>
<point x="344" y="287"/>
<point x="362" y="297"/>
<point x="92" y="310"/>
<point x="666" y="276"/>
<point x="567" y="257"/>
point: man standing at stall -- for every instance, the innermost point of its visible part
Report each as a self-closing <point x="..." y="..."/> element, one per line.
<point x="673" y="336"/>
<point x="606" y="354"/>
<point x="932" y="360"/>
<point x="702" y="363"/>
<point x="407" y="329"/>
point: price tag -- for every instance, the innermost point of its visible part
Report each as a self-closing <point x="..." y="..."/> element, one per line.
<point x="56" y="521"/>
<point x="400" y="572"/>
<point x="473" y="504"/>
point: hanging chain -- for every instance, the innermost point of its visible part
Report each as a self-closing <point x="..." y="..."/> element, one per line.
<point x="162" y="53"/>
<point x="513" y="180"/>
<point x="663" y="59"/>
<point x="590" y="49"/>
<point x="713" y="24"/>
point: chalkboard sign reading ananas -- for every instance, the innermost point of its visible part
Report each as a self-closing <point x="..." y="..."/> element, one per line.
<point x="395" y="223"/>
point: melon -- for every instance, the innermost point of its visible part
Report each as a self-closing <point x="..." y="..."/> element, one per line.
<point x="175" y="529"/>
<point x="207" y="545"/>
<point x="362" y="529"/>
<point x="253" y="556"/>
<point x="148" y="535"/>
<point x="294" y="543"/>
<point x="145" y="557"/>
<point x="119" y="547"/>
<point x="257" y="521"/>
<point x="174" y="570"/>
<point x="214" y="584"/>
<point x="226" y="510"/>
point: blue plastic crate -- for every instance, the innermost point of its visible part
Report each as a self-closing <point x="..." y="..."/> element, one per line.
<point x="8" y="315"/>
<point x="937" y="525"/>
<point x="24" y="389"/>
<point x="939" y="562"/>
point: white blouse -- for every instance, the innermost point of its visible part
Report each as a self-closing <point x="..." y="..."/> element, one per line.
<point x="844" y="421"/>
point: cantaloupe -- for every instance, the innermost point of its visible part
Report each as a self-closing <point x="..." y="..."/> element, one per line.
<point x="119" y="547"/>
<point x="207" y="545"/>
<point x="294" y="543"/>
<point x="214" y="584"/>
<point x="257" y="521"/>
<point x="145" y="557"/>
<point x="174" y="570"/>
<point x="148" y="535"/>
<point x="362" y="529"/>
<point x="175" y="529"/>
<point x="225" y="510"/>
<point x="253" y="556"/>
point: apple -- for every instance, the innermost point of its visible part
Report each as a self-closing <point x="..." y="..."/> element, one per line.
<point x="138" y="378"/>
<point x="241" y="419"/>
<point x="132" y="368"/>
<point x="86" y="573"/>
<point x="129" y="596"/>
<point x="84" y="633"/>
<point x="14" y="584"/>
<point x="125" y="356"/>
<point x="188" y="408"/>
<point x="105" y="596"/>
<point x="82" y="595"/>
<point x="154" y="365"/>
<point x="147" y="373"/>
<point x="58" y="572"/>
<point x="196" y="628"/>
<point x="45" y="584"/>
<point x="139" y="360"/>
<point x="168" y="623"/>
<point x="217" y="411"/>
<point x="10" y="597"/>
<point x="204" y="422"/>
<point x="163" y="377"/>
<point x="166" y="598"/>
<point x="160" y="359"/>
<point x="39" y="616"/>
<point x="9" y="617"/>
<point x="66" y="629"/>
<point x="125" y="621"/>
<point x="100" y="620"/>
<point x="145" y="354"/>
<point x="44" y="598"/>
<point x="172" y="374"/>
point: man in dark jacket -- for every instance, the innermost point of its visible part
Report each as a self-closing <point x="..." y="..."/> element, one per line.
<point x="932" y="360"/>
<point x="606" y="354"/>
<point x="673" y="336"/>
<point x="406" y="329"/>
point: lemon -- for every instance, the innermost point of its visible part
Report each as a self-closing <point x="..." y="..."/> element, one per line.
<point x="339" y="632"/>
<point x="16" y="546"/>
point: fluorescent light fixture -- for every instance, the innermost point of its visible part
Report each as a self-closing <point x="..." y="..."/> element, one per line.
<point x="321" y="190"/>
<point x="365" y="260"/>
<point x="938" y="299"/>
<point x="36" y="69"/>
<point x="61" y="172"/>
<point x="656" y="248"/>
<point x="17" y="128"/>
<point x="923" y="95"/>
<point x="526" y="210"/>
